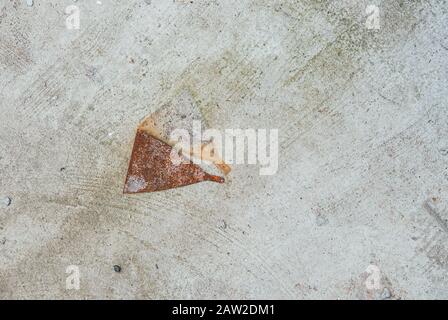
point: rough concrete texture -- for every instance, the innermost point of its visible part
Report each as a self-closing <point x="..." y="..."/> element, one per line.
<point x="362" y="185"/>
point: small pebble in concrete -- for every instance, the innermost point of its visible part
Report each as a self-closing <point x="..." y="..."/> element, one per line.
<point x="386" y="294"/>
<point x="29" y="3"/>
<point x="321" y="220"/>
<point x="117" y="268"/>
<point x="5" y="202"/>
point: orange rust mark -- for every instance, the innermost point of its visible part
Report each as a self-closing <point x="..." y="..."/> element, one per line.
<point x="150" y="125"/>
<point x="151" y="169"/>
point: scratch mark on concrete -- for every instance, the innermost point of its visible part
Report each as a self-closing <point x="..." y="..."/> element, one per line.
<point x="433" y="212"/>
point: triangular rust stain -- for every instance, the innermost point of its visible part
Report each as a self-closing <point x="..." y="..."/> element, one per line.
<point x="151" y="169"/>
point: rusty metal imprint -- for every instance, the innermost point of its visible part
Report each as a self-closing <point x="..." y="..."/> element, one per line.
<point x="151" y="169"/>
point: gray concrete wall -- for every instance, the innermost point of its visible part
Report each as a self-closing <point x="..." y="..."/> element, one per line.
<point x="357" y="209"/>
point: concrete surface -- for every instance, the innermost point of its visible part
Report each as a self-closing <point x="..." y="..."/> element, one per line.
<point x="361" y="194"/>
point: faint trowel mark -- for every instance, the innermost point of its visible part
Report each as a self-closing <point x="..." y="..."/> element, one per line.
<point x="429" y="207"/>
<point x="5" y="202"/>
<point x="321" y="220"/>
<point x="17" y="56"/>
<point x="430" y="239"/>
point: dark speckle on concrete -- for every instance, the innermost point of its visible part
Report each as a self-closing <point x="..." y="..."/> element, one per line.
<point x="117" y="268"/>
<point x="321" y="220"/>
